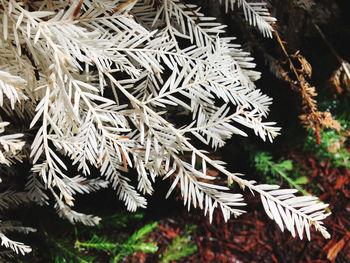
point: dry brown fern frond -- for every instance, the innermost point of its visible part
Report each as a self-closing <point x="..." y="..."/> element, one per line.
<point x="312" y="118"/>
<point x="340" y="80"/>
<point x="306" y="68"/>
<point x="325" y="119"/>
<point x="308" y="93"/>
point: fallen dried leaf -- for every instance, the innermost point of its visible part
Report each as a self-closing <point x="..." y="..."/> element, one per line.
<point x="333" y="251"/>
<point x="341" y="180"/>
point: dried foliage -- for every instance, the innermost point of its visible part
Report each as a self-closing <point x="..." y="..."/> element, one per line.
<point x="340" y="79"/>
<point x="312" y="118"/>
<point x="95" y="81"/>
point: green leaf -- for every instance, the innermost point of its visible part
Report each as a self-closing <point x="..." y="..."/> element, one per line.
<point x="301" y="180"/>
<point x="287" y="165"/>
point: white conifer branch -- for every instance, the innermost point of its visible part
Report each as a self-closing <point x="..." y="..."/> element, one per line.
<point x="310" y="213"/>
<point x="255" y="13"/>
<point x="11" y="86"/>
<point x="10" y="145"/>
<point x="17" y="247"/>
<point x="35" y="189"/>
<point x="14" y="226"/>
<point x="82" y="185"/>
<point x="75" y="61"/>
<point x="66" y="212"/>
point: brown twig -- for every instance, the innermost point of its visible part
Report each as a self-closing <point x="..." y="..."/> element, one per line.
<point x="77" y="9"/>
<point x="313" y="117"/>
<point x="286" y="53"/>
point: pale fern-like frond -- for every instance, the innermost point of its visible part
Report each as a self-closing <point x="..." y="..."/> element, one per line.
<point x="17" y="247"/>
<point x="10" y="145"/>
<point x="12" y="87"/>
<point x="295" y="213"/>
<point x="102" y="85"/>
<point x="280" y="205"/>
<point x="256" y="13"/>
<point x="36" y="190"/>
<point x="66" y="212"/>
